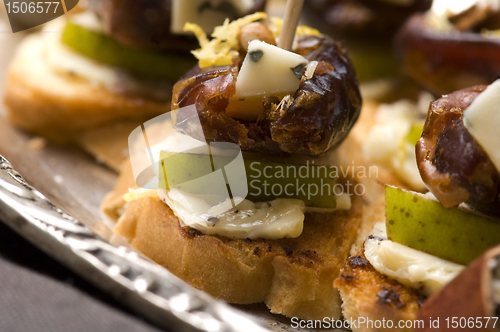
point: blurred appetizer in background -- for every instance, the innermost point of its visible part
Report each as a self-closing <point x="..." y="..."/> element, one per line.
<point x="115" y="62"/>
<point x="281" y="108"/>
<point x="452" y="46"/>
<point x="366" y="28"/>
<point x="390" y="141"/>
<point x="366" y="18"/>
<point x="159" y="24"/>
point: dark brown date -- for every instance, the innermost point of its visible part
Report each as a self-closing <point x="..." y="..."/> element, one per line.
<point x="145" y="24"/>
<point x="446" y="61"/>
<point x="452" y="164"/>
<point x="318" y="117"/>
<point x="366" y="18"/>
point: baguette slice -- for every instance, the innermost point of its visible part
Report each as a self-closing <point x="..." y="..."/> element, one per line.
<point x="60" y="106"/>
<point x="292" y="276"/>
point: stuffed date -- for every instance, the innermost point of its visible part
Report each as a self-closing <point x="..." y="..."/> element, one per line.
<point x="446" y="50"/>
<point x="149" y="24"/>
<point x="310" y="119"/>
<point x="452" y="163"/>
<point x="366" y="18"/>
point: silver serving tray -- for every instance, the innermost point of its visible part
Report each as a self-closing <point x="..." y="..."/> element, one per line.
<point x="144" y="286"/>
<point x="61" y="217"/>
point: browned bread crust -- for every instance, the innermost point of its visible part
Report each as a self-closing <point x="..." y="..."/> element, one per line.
<point x="292" y="276"/>
<point x="61" y="107"/>
<point x="367" y="293"/>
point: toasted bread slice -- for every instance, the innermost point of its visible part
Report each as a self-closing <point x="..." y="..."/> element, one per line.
<point x="292" y="276"/>
<point x="369" y="295"/>
<point x="61" y="106"/>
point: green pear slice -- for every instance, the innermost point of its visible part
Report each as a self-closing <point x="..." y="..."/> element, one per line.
<point x="106" y="50"/>
<point x="415" y="133"/>
<point x="421" y="222"/>
<point x="313" y="184"/>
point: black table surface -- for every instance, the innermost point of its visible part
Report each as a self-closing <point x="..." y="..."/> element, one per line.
<point x="39" y="294"/>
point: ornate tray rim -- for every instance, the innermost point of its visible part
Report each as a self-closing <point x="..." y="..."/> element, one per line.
<point x="142" y="285"/>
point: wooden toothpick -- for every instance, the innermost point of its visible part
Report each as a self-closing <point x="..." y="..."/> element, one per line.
<point x="290" y="22"/>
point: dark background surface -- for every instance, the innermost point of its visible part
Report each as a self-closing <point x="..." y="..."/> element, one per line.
<point x="39" y="294"/>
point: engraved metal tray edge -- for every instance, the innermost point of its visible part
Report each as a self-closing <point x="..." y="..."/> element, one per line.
<point x="145" y="287"/>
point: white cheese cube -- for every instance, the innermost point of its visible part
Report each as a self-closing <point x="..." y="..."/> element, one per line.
<point x="269" y="70"/>
<point x="206" y="13"/>
<point x="482" y="119"/>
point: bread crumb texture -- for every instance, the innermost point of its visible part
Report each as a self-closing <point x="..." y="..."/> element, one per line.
<point x="367" y="293"/>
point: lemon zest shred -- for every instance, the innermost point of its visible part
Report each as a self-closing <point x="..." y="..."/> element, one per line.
<point x="198" y="32"/>
<point x="224" y="46"/>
